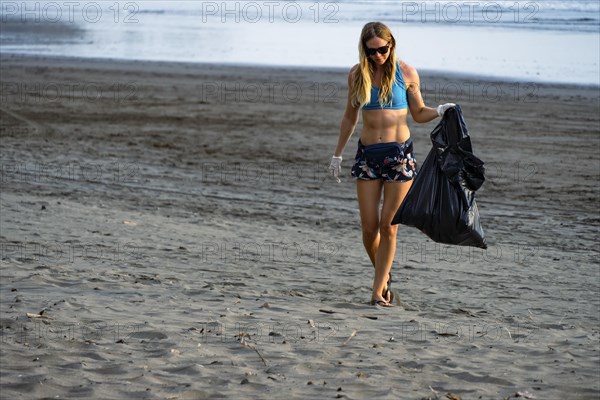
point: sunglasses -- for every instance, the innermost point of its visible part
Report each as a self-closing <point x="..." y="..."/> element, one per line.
<point x="382" y="50"/>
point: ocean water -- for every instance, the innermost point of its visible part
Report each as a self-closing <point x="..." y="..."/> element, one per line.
<point x="533" y="41"/>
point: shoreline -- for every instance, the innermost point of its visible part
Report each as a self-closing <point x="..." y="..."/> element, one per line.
<point x="424" y="73"/>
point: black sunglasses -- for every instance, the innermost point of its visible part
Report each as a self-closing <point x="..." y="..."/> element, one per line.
<point x="382" y="50"/>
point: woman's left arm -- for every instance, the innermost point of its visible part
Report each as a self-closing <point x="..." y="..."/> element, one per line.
<point x="419" y="111"/>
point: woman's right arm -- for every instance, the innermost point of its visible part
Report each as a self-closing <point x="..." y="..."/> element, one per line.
<point x="349" y="121"/>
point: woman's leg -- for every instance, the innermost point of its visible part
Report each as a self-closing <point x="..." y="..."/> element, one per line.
<point x="393" y="194"/>
<point x="369" y="198"/>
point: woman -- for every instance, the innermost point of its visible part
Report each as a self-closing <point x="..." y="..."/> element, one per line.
<point x="385" y="88"/>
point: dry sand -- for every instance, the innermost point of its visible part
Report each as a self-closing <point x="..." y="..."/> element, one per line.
<point x="177" y="227"/>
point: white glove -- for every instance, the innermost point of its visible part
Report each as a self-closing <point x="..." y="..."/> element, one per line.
<point x="441" y="109"/>
<point x="335" y="167"/>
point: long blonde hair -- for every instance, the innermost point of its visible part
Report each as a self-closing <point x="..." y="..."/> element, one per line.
<point x="362" y="77"/>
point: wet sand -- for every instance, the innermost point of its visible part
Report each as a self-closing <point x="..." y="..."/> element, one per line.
<point x="176" y="226"/>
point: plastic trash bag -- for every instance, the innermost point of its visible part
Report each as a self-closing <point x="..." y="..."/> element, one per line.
<point x="441" y="201"/>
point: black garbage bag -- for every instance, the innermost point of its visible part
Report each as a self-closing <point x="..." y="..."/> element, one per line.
<point x="441" y="201"/>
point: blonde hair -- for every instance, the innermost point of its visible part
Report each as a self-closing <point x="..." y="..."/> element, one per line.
<point x="362" y="77"/>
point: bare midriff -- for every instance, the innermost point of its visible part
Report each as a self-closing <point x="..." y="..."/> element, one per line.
<point x="381" y="126"/>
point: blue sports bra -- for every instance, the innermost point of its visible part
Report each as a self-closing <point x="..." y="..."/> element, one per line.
<point x="399" y="100"/>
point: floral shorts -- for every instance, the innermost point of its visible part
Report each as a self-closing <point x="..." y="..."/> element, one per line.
<point x="392" y="162"/>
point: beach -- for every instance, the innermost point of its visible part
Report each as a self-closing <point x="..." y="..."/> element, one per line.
<point x="169" y="231"/>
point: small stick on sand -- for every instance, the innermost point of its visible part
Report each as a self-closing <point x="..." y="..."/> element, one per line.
<point x="246" y="344"/>
<point x="351" y="336"/>
<point x="40" y="315"/>
<point x="434" y="391"/>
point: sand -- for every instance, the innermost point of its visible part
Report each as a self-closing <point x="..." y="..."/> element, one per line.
<point x="176" y="226"/>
